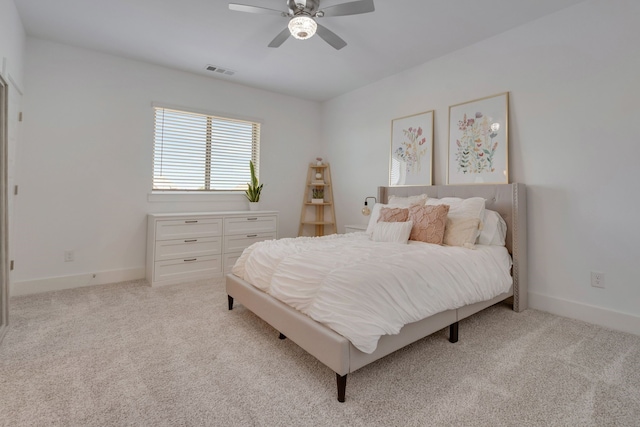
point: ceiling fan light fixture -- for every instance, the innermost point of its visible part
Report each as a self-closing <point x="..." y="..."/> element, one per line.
<point x="302" y="27"/>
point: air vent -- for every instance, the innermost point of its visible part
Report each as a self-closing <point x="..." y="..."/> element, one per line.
<point x="220" y="70"/>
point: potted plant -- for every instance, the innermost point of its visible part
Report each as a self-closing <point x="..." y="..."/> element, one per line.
<point x="317" y="195"/>
<point x="253" y="189"/>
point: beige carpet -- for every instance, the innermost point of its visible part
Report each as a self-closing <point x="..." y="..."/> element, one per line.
<point x="127" y="354"/>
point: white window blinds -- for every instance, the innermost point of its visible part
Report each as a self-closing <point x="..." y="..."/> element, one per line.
<point x="199" y="152"/>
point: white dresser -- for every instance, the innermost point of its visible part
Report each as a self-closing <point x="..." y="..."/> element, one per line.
<point x="188" y="246"/>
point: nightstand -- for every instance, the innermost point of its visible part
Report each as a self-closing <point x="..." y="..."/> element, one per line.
<point x="353" y="228"/>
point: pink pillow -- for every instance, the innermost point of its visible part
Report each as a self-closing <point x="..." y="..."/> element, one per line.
<point x="393" y="215"/>
<point x="428" y="223"/>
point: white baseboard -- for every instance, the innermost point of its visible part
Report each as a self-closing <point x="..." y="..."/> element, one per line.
<point x="611" y="319"/>
<point x="75" y="281"/>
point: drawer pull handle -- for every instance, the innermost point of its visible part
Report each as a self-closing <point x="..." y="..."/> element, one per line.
<point x="192" y="240"/>
<point x="251" y="219"/>
<point x="252" y="235"/>
<point x="191" y="222"/>
<point x="192" y="259"/>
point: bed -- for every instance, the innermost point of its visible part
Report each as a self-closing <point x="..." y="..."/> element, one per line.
<point x="339" y="353"/>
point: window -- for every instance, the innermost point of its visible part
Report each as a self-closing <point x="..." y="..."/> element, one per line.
<point x="200" y="152"/>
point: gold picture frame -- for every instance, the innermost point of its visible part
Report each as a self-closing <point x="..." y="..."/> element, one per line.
<point x="478" y="145"/>
<point x="411" y="157"/>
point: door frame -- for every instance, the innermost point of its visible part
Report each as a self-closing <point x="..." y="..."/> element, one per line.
<point x="4" y="197"/>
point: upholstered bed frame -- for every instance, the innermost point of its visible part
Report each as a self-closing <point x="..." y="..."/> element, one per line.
<point x="337" y="352"/>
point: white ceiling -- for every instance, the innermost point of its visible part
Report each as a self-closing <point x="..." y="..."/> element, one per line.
<point x="190" y="34"/>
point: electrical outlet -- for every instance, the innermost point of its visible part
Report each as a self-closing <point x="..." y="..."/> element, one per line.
<point x="68" y="256"/>
<point x="597" y="279"/>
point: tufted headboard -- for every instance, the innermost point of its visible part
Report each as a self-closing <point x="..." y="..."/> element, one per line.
<point x="509" y="200"/>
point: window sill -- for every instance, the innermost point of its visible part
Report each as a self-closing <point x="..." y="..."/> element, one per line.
<point x="179" y="196"/>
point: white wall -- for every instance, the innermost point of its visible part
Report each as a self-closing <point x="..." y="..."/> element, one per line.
<point x="573" y="82"/>
<point x="12" y="41"/>
<point x="85" y="164"/>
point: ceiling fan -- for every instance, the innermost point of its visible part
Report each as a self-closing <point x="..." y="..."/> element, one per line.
<point x="302" y="16"/>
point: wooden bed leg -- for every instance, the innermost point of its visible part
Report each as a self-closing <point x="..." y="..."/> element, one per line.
<point x="230" y="300"/>
<point x="282" y="336"/>
<point x="342" y="386"/>
<point x="453" y="332"/>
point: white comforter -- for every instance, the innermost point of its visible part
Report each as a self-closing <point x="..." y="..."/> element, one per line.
<point x="364" y="289"/>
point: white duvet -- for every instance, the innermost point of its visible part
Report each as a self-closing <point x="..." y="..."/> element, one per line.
<point x="364" y="289"/>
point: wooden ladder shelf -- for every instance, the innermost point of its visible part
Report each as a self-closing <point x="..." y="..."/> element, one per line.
<point x="317" y="216"/>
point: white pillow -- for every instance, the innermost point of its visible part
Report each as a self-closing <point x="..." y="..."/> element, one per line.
<point x="461" y="232"/>
<point x="373" y="218"/>
<point x="396" y="232"/>
<point x="405" y="202"/>
<point x="472" y="207"/>
<point x="494" y="231"/>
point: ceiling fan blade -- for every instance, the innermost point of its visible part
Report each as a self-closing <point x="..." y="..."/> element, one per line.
<point x="255" y="9"/>
<point x="280" y="38"/>
<point x="330" y="37"/>
<point x="351" y="8"/>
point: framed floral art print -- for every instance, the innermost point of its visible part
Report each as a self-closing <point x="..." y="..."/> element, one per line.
<point x="478" y="141"/>
<point x="411" y="160"/>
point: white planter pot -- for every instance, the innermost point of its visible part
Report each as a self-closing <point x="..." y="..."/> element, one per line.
<point x="254" y="206"/>
<point x="317" y="201"/>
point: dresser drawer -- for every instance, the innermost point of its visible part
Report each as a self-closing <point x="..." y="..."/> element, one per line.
<point x="187" y="248"/>
<point x="188" y="228"/>
<point x="250" y="224"/>
<point x="189" y="268"/>
<point x="238" y="242"/>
